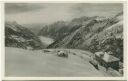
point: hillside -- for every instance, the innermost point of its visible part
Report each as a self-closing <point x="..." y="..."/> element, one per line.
<point x="21" y="37"/>
<point x="28" y="63"/>
<point x="89" y="33"/>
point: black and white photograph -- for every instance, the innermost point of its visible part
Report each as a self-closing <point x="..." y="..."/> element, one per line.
<point x="64" y="39"/>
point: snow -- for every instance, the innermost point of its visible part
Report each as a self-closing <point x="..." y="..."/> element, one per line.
<point x="28" y="63"/>
<point x="18" y="38"/>
<point x="46" y="40"/>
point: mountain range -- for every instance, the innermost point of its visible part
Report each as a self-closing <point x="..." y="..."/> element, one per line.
<point x="88" y="33"/>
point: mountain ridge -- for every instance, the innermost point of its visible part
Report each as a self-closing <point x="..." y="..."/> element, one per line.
<point x="21" y="37"/>
<point x="92" y="33"/>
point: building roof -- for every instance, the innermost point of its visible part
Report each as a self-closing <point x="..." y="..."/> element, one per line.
<point x="106" y="57"/>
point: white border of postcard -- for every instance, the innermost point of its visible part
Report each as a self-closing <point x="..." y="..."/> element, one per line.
<point x="61" y="78"/>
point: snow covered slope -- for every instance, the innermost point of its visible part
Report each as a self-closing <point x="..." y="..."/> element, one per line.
<point x="26" y="63"/>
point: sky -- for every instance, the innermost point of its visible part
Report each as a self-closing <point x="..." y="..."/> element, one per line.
<point x="47" y="13"/>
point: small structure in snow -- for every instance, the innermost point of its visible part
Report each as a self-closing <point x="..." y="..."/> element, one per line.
<point x="62" y="54"/>
<point x="107" y="60"/>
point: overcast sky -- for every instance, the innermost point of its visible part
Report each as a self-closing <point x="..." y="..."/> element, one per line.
<point x="29" y="13"/>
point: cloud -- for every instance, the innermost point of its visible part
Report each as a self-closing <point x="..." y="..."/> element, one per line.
<point x="96" y="9"/>
<point x="14" y="8"/>
<point x="51" y="12"/>
<point x="27" y="13"/>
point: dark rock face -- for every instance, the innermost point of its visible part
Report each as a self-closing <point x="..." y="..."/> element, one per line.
<point x="19" y="36"/>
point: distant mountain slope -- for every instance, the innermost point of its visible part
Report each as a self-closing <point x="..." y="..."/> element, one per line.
<point x="61" y="29"/>
<point x="21" y="37"/>
<point x="88" y="29"/>
<point x="34" y="27"/>
<point x="92" y="33"/>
